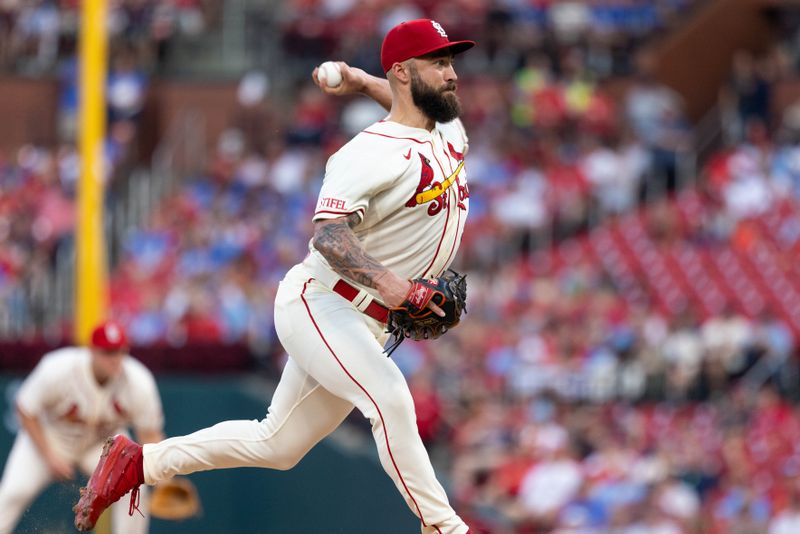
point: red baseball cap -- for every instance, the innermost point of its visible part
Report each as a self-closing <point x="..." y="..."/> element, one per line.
<point x="415" y="38"/>
<point x="109" y="335"/>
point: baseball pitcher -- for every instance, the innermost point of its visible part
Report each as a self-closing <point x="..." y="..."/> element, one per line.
<point x="388" y="223"/>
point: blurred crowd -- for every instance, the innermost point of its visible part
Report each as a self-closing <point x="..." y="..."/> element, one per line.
<point x="630" y="358"/>
<point x="606" y="31"/>
<point x="542" y="465"/>
<point x="37" y="219"/>
<point x="35" y="35"/>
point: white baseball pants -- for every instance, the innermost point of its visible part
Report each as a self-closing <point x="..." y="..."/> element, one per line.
<point x="26" y="475"/>
<point x="335" y="363"/>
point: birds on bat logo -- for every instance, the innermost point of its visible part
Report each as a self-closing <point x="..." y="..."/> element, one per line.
<point x="427" y="182"/>
<point x="434" y="192"/>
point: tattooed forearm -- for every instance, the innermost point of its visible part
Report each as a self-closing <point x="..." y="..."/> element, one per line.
<point x="335" y="240"/>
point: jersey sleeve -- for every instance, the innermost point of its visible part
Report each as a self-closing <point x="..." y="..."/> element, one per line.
<point x="149" y="414"/>
<point x="41" y="388"/>
<point x="355" y="174"/>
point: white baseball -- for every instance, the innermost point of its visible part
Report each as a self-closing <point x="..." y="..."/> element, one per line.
<point x="329" y="74"/>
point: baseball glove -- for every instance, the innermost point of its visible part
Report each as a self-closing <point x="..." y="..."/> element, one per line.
<point x="413" y="319"/>
<point x="175" y="499"/>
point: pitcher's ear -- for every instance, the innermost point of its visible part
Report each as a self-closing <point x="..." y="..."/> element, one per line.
<point x="402" y="71"/>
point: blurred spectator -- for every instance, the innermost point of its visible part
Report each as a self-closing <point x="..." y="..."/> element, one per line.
<point x="725" y="337"/>
<point x="126" y="87"/>
<point x="656" y="115"/>
<point x="616" y="173"/>
<point x="553" y="481"/>
<point x="35" y="36"/>
<point x="746" y="96"/>
<point x="254" y="116"/>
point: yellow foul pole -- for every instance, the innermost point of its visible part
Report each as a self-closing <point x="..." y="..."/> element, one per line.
<point x="91" y="294"/>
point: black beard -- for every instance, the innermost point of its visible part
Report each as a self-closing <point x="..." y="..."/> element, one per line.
<point x="435" y="104"/>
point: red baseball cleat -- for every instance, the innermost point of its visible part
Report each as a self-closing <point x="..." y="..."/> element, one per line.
<point x="117" y="473"/>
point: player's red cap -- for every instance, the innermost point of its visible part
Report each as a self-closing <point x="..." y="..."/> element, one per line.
<point x="415" y="38"/>
<point x="109" y="335"/>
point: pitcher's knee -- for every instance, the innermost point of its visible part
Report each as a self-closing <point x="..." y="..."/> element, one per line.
<point x="284" y="462"/>
<point x="396" y="403"/>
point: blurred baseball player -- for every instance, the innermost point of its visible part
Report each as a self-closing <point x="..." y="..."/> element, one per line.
<point x="392" y="208"/>
<point x="74" y="399"/>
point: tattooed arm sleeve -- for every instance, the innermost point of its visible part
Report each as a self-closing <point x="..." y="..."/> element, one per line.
<point x="335" y="240"/>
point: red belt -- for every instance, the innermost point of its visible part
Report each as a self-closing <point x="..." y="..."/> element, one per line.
<point x="377" y="311"/>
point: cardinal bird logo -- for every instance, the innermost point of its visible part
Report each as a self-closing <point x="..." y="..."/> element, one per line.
<point x="458" y="156"/>
<point x="425" y="180"/>
<point x="428" y="190"/>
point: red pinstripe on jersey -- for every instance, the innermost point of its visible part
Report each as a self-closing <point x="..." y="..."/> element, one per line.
<point x="456" y="238"/>
<point x="457" y="199"/>
<point x="439" y="245"/>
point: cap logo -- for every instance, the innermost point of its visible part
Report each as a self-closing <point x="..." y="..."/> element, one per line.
<point x="417" y="38"/>
<point x="438" y="28"/>
<point x="112" y="333"/>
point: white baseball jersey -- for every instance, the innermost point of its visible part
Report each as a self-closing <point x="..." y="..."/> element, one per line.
<point x="76" y="412"/>
<point x="409" y="187"/>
